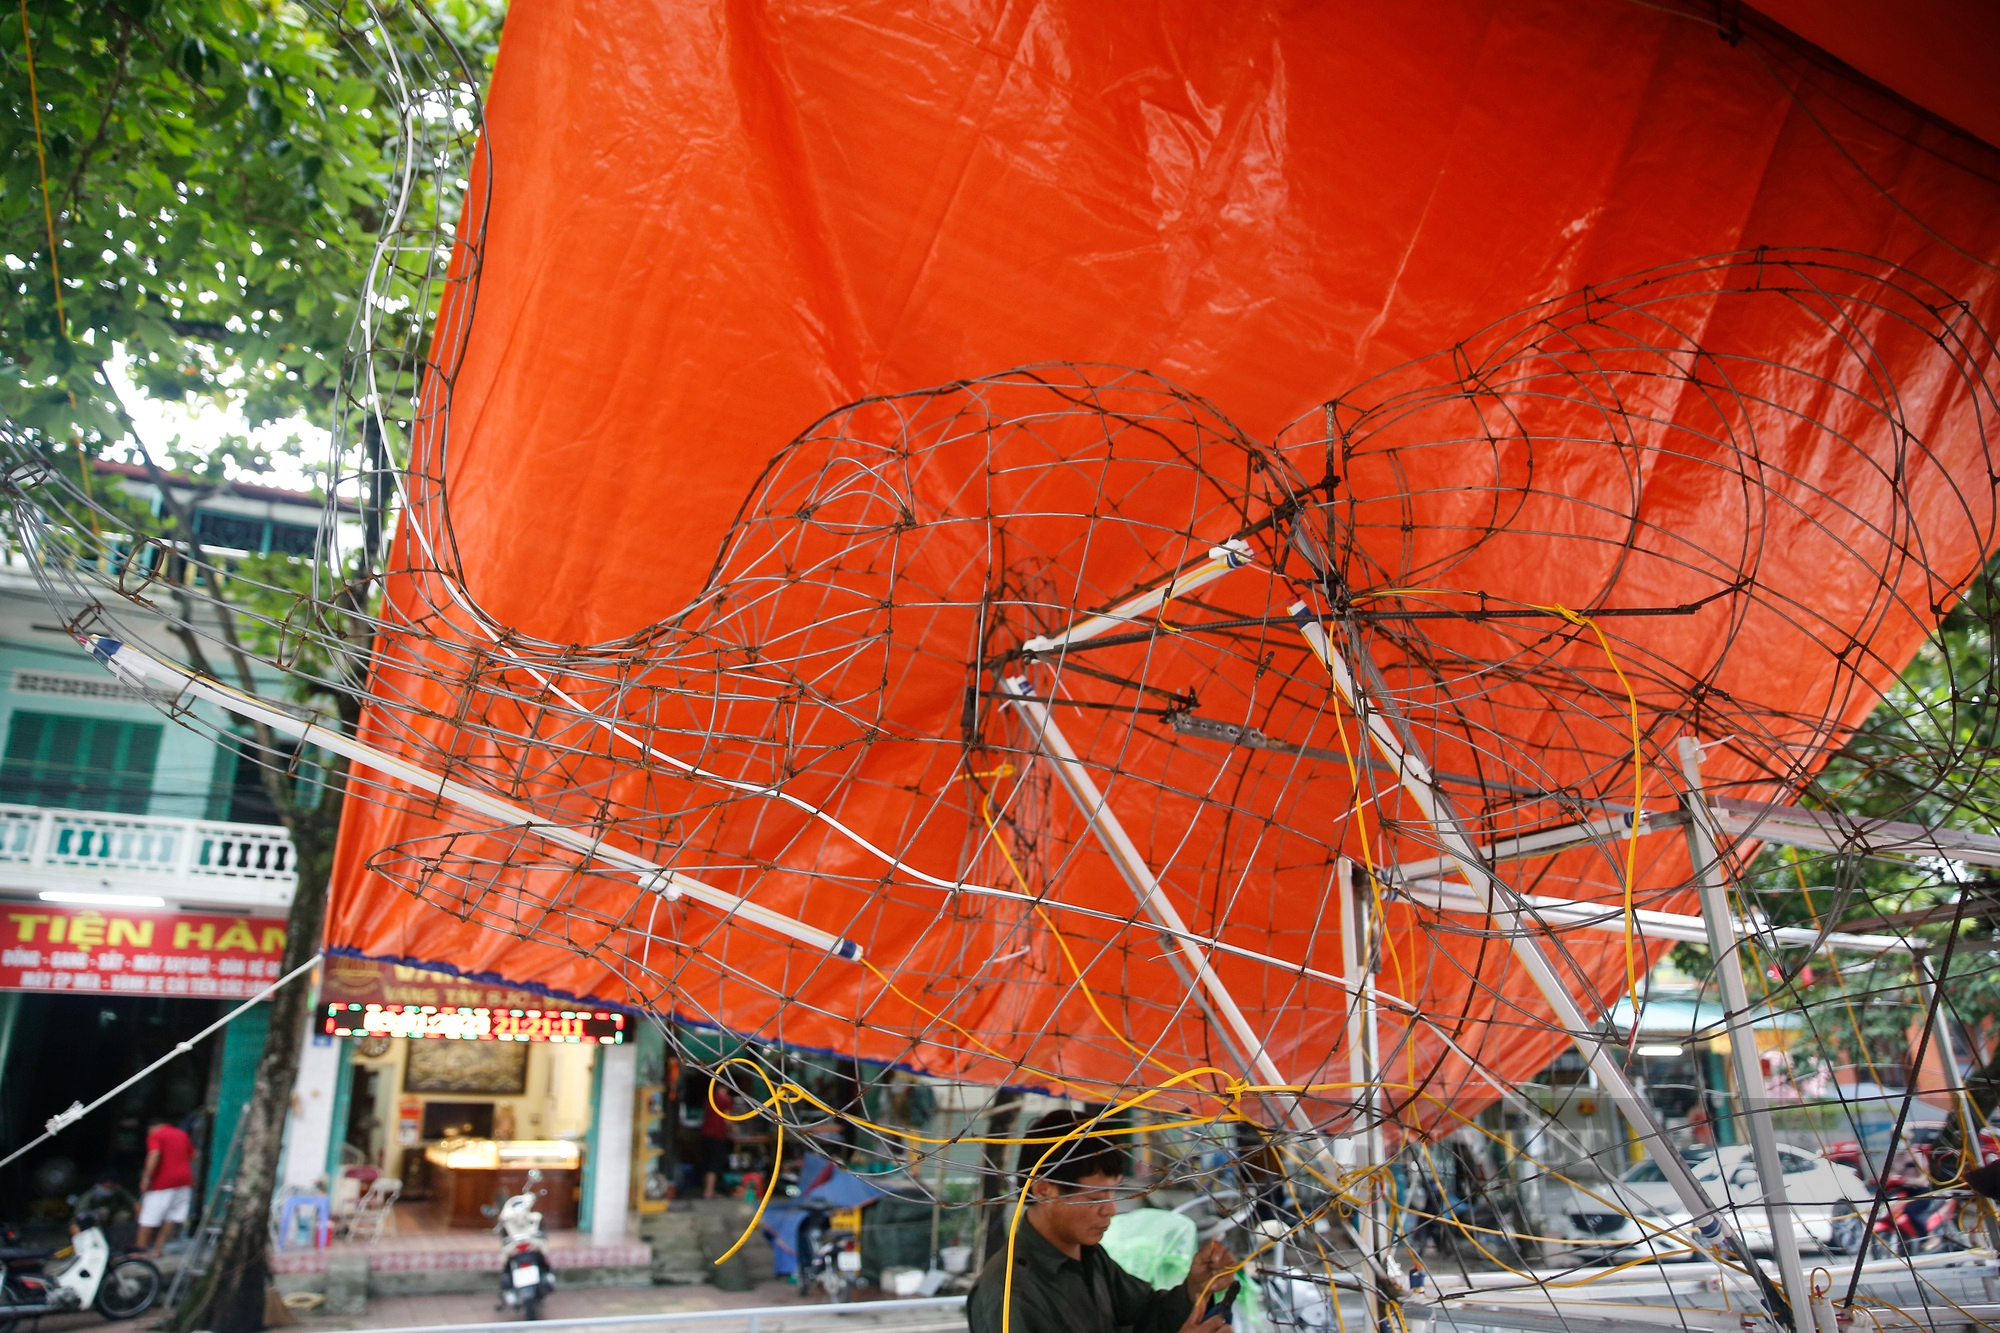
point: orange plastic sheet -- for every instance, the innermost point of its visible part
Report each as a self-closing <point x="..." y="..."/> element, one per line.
<point x="704" y="227"/>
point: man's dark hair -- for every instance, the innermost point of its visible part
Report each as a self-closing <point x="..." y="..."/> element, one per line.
<point x="1068" y="1163"/>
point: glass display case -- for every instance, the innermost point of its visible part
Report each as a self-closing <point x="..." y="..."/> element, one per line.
<point x="469" y="1174"/>
<point x="505" y="1154"/>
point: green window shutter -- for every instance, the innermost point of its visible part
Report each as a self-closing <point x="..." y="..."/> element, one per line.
<point x="222" y="780"/>
<point x="24" y="741"/>
<point x="139" y="753"/>
<point x="79" y="763"/>
<point x="103" y="748"/>
<point x="59" y="765"/>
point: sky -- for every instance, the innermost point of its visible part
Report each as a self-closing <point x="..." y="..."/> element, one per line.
<point x="201" y="425"/>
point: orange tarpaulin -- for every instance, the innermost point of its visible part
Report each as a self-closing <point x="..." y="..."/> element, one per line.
<point x="707" y="226"/>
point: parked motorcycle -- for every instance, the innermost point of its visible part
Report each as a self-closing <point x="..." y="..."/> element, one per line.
<point x="1914" y="1219"/>
<point x="828" y="1259"/>
<point x="1919" y="1219"/>
<point x="36" y="1280"/>
<point x="526" y="1279"/>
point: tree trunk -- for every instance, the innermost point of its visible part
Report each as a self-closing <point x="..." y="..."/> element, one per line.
<point x="230" y="1298"/>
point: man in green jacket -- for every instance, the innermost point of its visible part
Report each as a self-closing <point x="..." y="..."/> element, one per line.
<point x="1063" y="1281"/>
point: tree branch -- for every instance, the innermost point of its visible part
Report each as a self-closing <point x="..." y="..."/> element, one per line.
<point x="122" y="49"/>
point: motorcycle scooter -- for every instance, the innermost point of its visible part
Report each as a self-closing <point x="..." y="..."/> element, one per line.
<point x="828" y="1259"/>
<point x="1919" y="1218"/>
<point x="86" y="1276"/>
<point x="526" y="1279"/>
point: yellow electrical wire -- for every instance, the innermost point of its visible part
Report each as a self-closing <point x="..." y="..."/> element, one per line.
<point x="1358" y="813"/>
<point x="42" y="165"/>
<point x="1638" y="801"/>
<point x="1336" y="1190"/>
<point x="1638" y="753"/>
<point x="1014" y="869"/>
<point x="788" y="1093"/>
<point x="779" y="1094"/>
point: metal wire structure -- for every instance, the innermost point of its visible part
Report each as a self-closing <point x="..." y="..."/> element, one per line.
<point x="1045" y="731"/>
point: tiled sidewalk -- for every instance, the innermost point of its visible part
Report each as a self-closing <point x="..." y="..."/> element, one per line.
<point x="419" y="1245"/>
<point x="462" y="1251"/>
<point x="574" y="1303"/>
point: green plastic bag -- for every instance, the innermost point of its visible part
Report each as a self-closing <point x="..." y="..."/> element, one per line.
<point x="1158" y="1247"/>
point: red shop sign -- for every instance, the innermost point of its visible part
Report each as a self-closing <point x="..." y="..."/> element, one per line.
<point x="365" y="981"/>
<point x="205" y="955"/>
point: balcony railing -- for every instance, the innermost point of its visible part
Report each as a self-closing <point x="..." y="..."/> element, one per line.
<point x="193" y="861"/>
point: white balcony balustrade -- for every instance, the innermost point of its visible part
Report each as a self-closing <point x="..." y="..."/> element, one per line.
<point x="188" y="862"/>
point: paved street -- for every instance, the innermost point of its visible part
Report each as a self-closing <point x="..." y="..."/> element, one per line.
<point x="583" y="1303"/>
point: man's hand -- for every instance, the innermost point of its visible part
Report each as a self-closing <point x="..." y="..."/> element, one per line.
<point x="1196" y="1324"/>
<point x="1205" y="1277"/>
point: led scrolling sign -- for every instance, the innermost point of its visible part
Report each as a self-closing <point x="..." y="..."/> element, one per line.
<point x="474" y="1023"/>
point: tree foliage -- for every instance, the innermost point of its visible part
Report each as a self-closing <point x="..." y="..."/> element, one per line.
<point x="217" y="172"/>
<point x="1929" y="754"/>
<point x="226" y="183"/>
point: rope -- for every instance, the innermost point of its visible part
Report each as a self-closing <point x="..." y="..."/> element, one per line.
<point x="77" y="1111"/>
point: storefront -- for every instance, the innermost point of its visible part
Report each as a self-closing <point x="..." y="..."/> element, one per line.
<point x="458" y="1088"/>
<point x="91" y="995"/>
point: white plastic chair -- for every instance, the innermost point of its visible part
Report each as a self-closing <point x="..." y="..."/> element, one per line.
<point x="375" y="1212"/>
<point x="346" y="1203"/>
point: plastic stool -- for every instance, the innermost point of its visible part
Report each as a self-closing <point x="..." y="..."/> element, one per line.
<point x="322" y="1218"/>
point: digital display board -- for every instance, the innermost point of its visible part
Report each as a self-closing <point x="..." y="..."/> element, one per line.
<point x="474" y="1023"/>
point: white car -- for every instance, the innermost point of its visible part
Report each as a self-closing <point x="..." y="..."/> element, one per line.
<point x="1826" y="1199"/>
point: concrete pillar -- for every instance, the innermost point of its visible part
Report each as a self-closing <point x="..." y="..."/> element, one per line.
<point x="611" y="1166"/>
<point x="309" y="1129"/>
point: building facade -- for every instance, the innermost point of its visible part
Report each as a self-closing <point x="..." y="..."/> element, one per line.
<point x="144" y="881"/>
<point x="144" y="884"/>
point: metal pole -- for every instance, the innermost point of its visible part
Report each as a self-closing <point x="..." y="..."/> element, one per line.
<point x="1357" y="938"/>
<point x="1727" y="950"/>
<point x="937" y="1203"/>
<point x="1501" y="902"/>
<point x="868" y="1313"/>
<point x="1209" y="992"/>
<point x="1226" y="1019"/>
<point x="1881" y="1198"/>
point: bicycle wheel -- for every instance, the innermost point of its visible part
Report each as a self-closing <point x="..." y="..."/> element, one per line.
<point x="130" y="1287"/>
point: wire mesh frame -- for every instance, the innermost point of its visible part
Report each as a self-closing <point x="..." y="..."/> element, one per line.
<point x="732" y="739"/>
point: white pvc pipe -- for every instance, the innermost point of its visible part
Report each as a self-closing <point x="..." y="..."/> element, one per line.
<point x="1500" y="902"/>
<point x="1232" y="554"/>
<point x="1138" y="875"/>
<point x="1452" y="896"/>
<point x="139" y="669"/>
<point x="1727" y="956"/>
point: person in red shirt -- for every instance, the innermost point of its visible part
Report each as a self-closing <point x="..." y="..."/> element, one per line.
<point x="715" y="1142"/>
<point x="166" y="1185"/>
